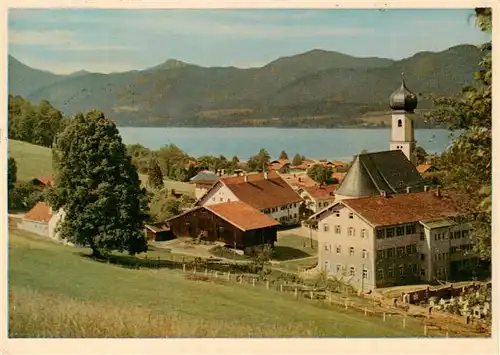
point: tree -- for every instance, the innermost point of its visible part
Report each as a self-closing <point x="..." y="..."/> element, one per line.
<point x="155" y="176"/>
<point x="259" y="162"/>
<point x="297" y="159"/>
<point x="320" y="173"/>
<point x="466" y="165"/>
<point x="421" y="155"/>
<point x="98" y="188"/>
<point x="12" y="174"/>
<point x="283" y="155"/>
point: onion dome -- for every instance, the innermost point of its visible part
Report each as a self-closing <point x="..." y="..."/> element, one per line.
<point x="403" y="99"/>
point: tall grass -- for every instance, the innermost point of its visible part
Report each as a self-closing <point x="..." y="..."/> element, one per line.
<point x="43" y="315"/>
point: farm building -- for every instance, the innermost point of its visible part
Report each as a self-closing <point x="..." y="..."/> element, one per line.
<point x="318" y="197"/>
<point x="266" y="192"/>
<point x="158" y="232"/>
<point x="42" y="220"/>
<point x="46" y="181"/>
<point x="203" y="181"/>
<point x="236" y="224"/>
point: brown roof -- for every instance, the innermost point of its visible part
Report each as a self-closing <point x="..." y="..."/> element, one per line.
<point x="322" y="193"/>
<point x="422" y="168"/>
<point x="39" y="213"/>
<point x="241" y="215"/>
<point x="338" y="163"/>
<point x="338" y="176"/>
<point x="157" y="227"/>
<point x="301" y="180"/>
<point x="278" y="164"/>
<point x="306" y="164"/>
<point x="261" y="193"/>
<point x="46" y="180"/>
<point x="404" y="208"/>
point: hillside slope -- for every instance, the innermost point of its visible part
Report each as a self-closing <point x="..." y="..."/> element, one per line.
<point x="312" y="89"/>
<point x="32" y="160"/>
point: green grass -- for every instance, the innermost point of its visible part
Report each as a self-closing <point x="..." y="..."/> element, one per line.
<point x="41" y="270"/>
<point x="291" y="246"/>
<point x="32" y="160"/>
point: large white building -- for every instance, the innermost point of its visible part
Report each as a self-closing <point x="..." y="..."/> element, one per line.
<point x="266" y="192"/>
<point x="386" y="226"/>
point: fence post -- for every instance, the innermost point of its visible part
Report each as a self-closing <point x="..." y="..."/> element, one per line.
<point x="253" y="282"/>
<point x="183" y="267"/>
<point x="311" y="294"/>
<point x="346" y="303"/>
<point x="366" y="312"/>
<point x="229" y="275"/>
<point x="215" y="273"/>
<point x="206" y="271"/>
<point x="267" y="284"/>
<point x="425" y="329"/>
<point x="404" y="322"/>
<point x="194" y="270"/>
<point x="281" y="287"/>
<point x="330" y="297"/>
<point x="384" y="317"/>
<point x="296" y="293"/>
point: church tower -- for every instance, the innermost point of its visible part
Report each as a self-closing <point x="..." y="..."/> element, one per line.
<point x="403" y="103"/>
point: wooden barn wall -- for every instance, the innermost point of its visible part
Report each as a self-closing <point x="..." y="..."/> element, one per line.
<point x="203" y="220"/>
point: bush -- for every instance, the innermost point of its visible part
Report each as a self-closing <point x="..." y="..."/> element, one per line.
<point x="227" y="253"/>
<point x="25" y="196"/>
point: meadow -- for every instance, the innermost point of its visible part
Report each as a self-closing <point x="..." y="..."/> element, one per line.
<point x="55" y="291"/>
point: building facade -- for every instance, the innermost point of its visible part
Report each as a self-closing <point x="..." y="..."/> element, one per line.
<point x="370" y="242"/>
<point x="317" y="197"/>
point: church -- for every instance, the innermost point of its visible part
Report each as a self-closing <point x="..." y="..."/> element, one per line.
<point x="386" y="227"/>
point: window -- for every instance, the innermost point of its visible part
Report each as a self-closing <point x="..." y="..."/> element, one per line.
<point x="221" y="199"/>
<point x="213" y="199"/>
<point x="295" y="215"/>
<point x="390" y="253"/>
<point x="339" y="249"/>
<point x="400" y="231"/>
<point x="325" y="227"/>
<point x="380" y="273"/>
<point x="457" y="234"/>
<point x="327" y="266"/>
<point x="337" y="214"/>
<point x="351" y="215"/>
<point x="352" y="271"/>
<point x="400" y="123"/>
<point x="380" y="254"/>
<point x="414" y="269"/>
<point x="422" y="257"/>
<point x="351" y="232"/>
<point x="390" y="272"/>
<point x="390" y="232"/>
<point x="410" y="229"/>
<point x="400" y="251"/>
<point x="422" y="236"/>
<point x="465" y="234"/>
<point x="326" y="246"/>
<point x="337" y="229"/>
<point x="351" y="251"/>
<point x="339" y="268"/>
<point x="365" y="273"/>
<point x="401" y="270"/>
<point x="363" y="233"/>
<point x="414" y="248"/>
<point x="422" y="272"/>
<point x="365" y="254"/>
<point x="380" y="233"/>
<point x="408" y="250"/>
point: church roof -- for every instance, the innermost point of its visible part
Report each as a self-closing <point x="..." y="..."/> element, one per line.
<point x="388" y="171"/>
<point x="403" y="99"/>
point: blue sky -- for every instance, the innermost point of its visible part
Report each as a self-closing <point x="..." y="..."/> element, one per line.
<point x="64" y="41"/>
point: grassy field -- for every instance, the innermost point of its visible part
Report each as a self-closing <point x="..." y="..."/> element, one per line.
<point x="32" y="160"/>
<point x="36" y="161"/>
<point x="57" y="292"/>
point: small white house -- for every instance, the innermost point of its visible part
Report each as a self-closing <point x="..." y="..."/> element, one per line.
<point x="42" y="220"/>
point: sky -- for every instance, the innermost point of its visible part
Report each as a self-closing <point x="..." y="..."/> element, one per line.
<point x="98" y="40"/>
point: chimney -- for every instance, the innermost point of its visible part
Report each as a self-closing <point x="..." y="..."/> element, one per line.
<point x="383" y="193"/>
<point x="265" y="175"/>
<point x="408" y="189"/>
<point x="426" y="187"/>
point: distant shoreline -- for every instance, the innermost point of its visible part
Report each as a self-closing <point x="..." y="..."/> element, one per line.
<point x="275" y="127"/>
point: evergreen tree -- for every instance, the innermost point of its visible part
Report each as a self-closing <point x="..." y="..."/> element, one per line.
<point x="259" y="162"/>
<point x="297" y="159"/>
<point x="283" y="155"/>
<point x="155" y="177"/>
<point x="98" y="188"/>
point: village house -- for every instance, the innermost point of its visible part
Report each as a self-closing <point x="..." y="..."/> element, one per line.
<point x="203" y="181"/>
<point x="398" y="239"/>
<point x="266" y="192"/>
<point x="236" y="224"/>
<point x="42" y="220"/>
<point x="297" y="181"/>
<point x="158" y="232"/>
<point x="281" y="166"/>
<point x="317" y="197"/>
<point x="46" y="181"/>
<point x="426" y="168"/>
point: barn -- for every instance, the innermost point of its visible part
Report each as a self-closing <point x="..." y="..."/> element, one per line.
<point x="158" y="232"/>
<point x="236" y="224"/>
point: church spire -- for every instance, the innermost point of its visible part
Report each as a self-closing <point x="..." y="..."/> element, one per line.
<point x="403" y="99"/>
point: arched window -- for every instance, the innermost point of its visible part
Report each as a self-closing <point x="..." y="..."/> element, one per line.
<point x="400" y="123"/>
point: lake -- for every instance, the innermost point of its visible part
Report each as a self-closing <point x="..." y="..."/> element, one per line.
<point x="329" y="143"/>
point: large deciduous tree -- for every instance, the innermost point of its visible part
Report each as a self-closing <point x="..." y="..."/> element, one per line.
<point x="98" y="188"/>
<point x="259" y="162"/>
<point x="320" y="173"/>
<point x="466" y="164"/>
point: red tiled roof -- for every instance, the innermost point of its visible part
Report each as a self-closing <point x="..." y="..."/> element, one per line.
<point x="301" y="180"/>
<point x="278" y="164"/>
<point x="39" y="213"/>
<point x="422" y="168"/>
<point x="261" y="193"/>
<point x="322" y="193"/>
<point x="404" y="208"/>
<point x="306" y="164"/>
<point x="339" y="176"/>
<point x="46" y="180"/>
<point x="241" y="215"/>
<point x="338" y="163"/>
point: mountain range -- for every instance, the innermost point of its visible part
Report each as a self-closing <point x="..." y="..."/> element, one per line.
<point x="313" y="89"/>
